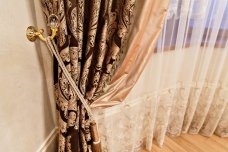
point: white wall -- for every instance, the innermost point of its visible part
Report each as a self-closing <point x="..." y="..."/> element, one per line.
<point x="26" y="110"/>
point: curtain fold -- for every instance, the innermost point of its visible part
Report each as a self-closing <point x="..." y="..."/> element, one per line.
<point x="147" y="25"/>
<point x="91" y="35"/>
<point x="183" y="89"/>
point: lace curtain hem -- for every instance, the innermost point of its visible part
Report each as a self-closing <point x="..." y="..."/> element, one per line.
<point x="193" y="108"/>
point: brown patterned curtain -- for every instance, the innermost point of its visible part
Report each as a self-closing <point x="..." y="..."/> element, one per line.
<point x="90" y="40"/>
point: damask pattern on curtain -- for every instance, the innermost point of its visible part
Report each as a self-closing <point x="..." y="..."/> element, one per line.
<point x="90" y="39"/>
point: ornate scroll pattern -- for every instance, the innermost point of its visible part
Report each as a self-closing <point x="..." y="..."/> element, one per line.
<point x="222" y="129"/>
<point x="90" y="38"/>
<point x="178" y="108"/>
<point x="202" y="109"/>
<point x="164" y="108"/>
<point x="217" y="115"/>
<point x="113" y="133"/>
<point x="168" y="112"/>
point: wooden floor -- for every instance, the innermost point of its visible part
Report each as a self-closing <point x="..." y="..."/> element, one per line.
<point x="192" y="143"/>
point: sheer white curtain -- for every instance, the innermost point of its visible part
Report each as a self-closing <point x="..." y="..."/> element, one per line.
<point x="183" y="89"/>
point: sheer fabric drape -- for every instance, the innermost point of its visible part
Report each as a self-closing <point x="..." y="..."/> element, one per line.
<point x="184" y="87"/>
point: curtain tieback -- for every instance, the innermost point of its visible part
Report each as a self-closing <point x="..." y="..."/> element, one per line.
<point x="32" y="33"/>
<point x="53" y="48"/>
<point x="96" y="146"/>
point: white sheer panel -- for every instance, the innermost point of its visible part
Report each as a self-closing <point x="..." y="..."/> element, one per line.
<point x="183" y="89"/>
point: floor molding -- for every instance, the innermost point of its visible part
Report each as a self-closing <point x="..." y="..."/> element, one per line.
<point x="48" y="141"/>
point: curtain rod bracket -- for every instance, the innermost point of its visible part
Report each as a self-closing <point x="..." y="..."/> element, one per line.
<point x="32" y="33"/>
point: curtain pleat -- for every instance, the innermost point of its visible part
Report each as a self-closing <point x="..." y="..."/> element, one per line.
<point x="90" y="38"/>
<point x="183" y="89"/>
<point x="147" y="25"/>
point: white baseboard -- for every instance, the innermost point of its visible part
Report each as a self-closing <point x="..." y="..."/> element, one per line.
<point x="50" y="141"/>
